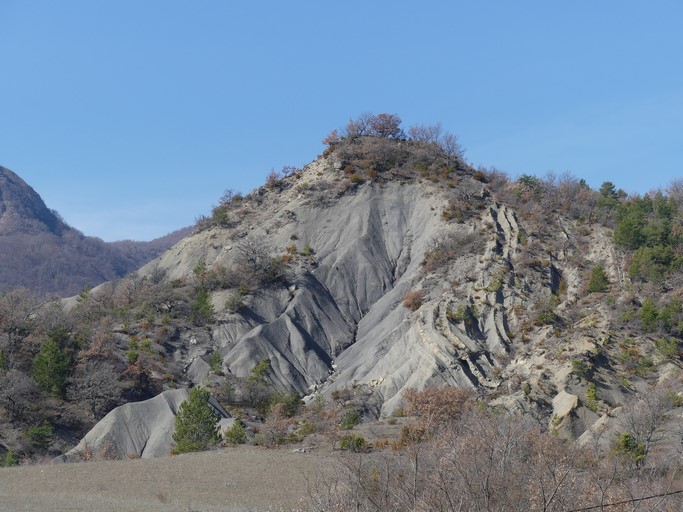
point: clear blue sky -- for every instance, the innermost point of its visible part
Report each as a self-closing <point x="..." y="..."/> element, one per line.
<point x="131" y="118"/>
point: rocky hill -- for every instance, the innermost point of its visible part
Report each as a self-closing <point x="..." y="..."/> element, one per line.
<point x="38" y="250"/>
<point x="386" y="265"/>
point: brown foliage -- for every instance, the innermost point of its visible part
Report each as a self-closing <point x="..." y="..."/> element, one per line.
<point x="413" y="299"/>
<point x="492" y="462"/>
<point x="385" y="125"/>
<point x="437" y="406"/>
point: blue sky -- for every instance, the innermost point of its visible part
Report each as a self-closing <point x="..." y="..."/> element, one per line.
<point x="131" y="118"/>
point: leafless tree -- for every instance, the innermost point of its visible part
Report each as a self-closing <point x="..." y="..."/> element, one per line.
<point x="429" y="133"/>
<point x="19" y="315"/>
<point x="18" y="393"/>
<point x="451" y="148"/>
<point x="643" y="419"/>
<point x="359" y="126"/>
<point x="96" y="383"/>
<point x="675" y="190"/>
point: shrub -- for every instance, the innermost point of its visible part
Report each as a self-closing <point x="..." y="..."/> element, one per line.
<point x="545" y="311"/>
<point x="216" y="363"/>
<point x="350" y="419"/>
<point x="221" y="217"/>
<point x="644" y="366"/>
<point x="592" y="397"/>
<point x="648" y="314"/>
<point x="353" y="443"/>
<point x="202" y="308"/>
<point x="237" y="434"/>
<point x="235" y="302"/>
<point x="668" y="348"/>
<point x="39" y="437"/>
<point x="599" y="283"/>
<point x="580" y="367"/>
<point x="437" y="405"/>
<point x="627" y="445"/>
<point x="413" y="300"/>
<point x="132" y="356"/>
<point x="10" y="459"/>
<point x="467" y="313"/>
<point x="290" y="402"/>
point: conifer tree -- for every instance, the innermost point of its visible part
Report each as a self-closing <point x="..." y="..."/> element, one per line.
<point x="599" y="282"/>
<point x="195" y="424"/>
<point x="51" y="367"/>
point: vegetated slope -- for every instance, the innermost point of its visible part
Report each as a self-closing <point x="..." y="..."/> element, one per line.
<point x="41" y="252"/>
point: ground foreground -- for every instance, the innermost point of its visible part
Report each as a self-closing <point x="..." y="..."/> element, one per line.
<point x="236" y="479"/>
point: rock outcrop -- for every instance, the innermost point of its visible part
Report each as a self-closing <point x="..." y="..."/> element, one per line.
<point x="342" y="321"/>
<point x="134" y="430"/>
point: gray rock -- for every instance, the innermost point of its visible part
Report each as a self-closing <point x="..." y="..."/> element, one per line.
<point x="139" y="429"/>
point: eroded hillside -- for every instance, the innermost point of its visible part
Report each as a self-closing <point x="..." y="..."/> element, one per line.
<point x="386" y="264"/>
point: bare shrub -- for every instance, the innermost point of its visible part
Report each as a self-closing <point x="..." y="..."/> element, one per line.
<point x="489" y="461"/>
<point x="425" y="133"/>
<point x="446" y="250"/>
<point x="256" y="264"/>
<point x="413" y="299"/>
<point x="437" y="406"/>
<point x="275" y="430"/>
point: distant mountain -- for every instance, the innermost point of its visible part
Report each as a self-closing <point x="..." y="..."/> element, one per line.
<point x="39" y="251"/>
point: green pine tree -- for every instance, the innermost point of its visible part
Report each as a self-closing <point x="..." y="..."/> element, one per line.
<point x="202" y="308"/>
<point x="10" y="459"/>
<point x="599" y="282"/>
<point x="51" y="367"/>
<point x="195" y="424"/>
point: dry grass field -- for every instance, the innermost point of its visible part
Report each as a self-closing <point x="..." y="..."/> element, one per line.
<point x="233" y="479"/>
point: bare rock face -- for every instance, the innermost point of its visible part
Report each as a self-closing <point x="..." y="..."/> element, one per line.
<point x="388" y="282"/>
<point x="342" y="322"/>
<point x="139" y="429"/>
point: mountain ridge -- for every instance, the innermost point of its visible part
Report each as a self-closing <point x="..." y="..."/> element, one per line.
<point x="40" y="251"/>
